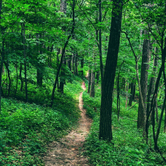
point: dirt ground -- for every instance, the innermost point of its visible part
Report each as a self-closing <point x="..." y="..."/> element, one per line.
<point x="67" y="152"/>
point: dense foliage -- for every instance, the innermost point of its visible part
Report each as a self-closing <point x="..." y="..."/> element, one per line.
<point x="46" y="44"/>
<point x="128" y="146"/>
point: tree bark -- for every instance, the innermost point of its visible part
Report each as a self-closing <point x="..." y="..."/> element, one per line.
<point x="89" y="79"/>
<point x="1" y="70"/>
<point x="127" y="95"/>
<point x="20" y="76"/>
<point x="92" y="91"/>
<point x="62" y="75"/>
<point x="152" y="86"/>
<point x="2" y="58"/>
<point x="132" y="94"/>
<point x="82" y="66"/>
<point x="73" y="66"/>
<point x="105" y="130"/>
<point x="76" y="65"/>
<point x="100" y="45"/>
<point x="144" y="83"/>
<point x="118" y="96"/>
<point x="69" y="62"/>
<point x="25" y="61"/>
<point x="8" y="71"/>
<point x="16" y="80"/>
<point x="40" y="66"/>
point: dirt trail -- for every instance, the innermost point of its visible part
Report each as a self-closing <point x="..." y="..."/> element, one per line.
<point x="66" y="152"/>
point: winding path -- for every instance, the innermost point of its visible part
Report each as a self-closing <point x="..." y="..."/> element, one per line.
<point x="66" y="152"/>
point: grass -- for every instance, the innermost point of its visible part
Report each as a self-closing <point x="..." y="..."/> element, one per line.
<point x="128" y="147"/>
<point x="27" y="128"/>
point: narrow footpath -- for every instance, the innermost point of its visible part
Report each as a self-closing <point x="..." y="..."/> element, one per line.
<point x="66" y="152"/>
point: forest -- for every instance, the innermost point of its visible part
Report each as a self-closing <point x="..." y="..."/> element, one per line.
<point x="61" y="59"/>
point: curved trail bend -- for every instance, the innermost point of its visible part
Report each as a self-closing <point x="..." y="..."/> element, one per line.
<point x="66" y="152"/>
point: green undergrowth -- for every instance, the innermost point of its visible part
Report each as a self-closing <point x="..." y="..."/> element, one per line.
<point x="92" y="105"/>
<point x="127" y="148"/>
<point x="26" y="129"/>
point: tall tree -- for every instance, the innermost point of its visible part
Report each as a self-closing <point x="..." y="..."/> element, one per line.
<point x="144" y="83"/>
<point x="105" y="130"/>
<point x="2" y="57"/>
<point x="63" y="52"/>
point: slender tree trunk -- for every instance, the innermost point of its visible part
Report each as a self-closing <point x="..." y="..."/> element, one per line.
<point x="40" y="66"/>
<point x="2" y="57"/>
<point x="0" y="7"/>
<point x="89" y="83"/>
<point x="16" y="80"/>
<point x="25" y="62"/>
<point x="155" y="136"/>
<point x="63" y="8"/>
<point x="62" y="75"/>
<point x="1" y="67"/>
<point x="76" y="66"/>
<point x="144" y="82"/>
<point x="118" y="90"/>
<point x="127" y="95"/>
<point x="8" y="71"/>
<point x="73" y="66"/>
<point x="63" y="53"/>
<point x="132" y="94"/>
<point x="105" y="130"/>
<point x="164" y="121"/>
<point x="118" y="96"/>
<point x="100" y="45"/>
<point x="92" y="91"/>
<point x="150" y="92"/>
<point x="82" y="66"/>
<point x="20" y="76"/>
<point x="69" y="62"/>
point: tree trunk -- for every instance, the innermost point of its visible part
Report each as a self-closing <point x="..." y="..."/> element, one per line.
<point x="132" y="94"/>
<point x="123" y="84"/>
<point x="144" y="82"/>
<point x="164" y="122"/>
<point x="73" y="66"/>
<point x="8" y="71"/>
<point x="20" y="76"/>
<point x="118" y="96"/>
<point x="105" y="130"/>
<point x="155" y="136"/>
<point x="127" y="95"/>
<point x="16" y="80"/>
<point x="62" y="75"/>
<point x="25" y="61"/>
<point x="89" y="81"/>
<point x="40" y="67"/>
<point x="69" y="62"/>
<point x="76" y="66"/>
<point x="92" y="91"/>
<point x="151" y="91"/>
<point x="63" y="53"/>
<point x="82" y="66"/>
<point x="1" y="67"/>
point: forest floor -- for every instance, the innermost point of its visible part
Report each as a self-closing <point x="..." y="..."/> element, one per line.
<point x="68" y="151"/>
